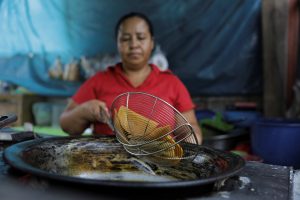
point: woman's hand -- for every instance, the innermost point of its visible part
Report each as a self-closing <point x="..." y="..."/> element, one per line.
<point x="76" y="118"/>
<point x="96" y="111"/>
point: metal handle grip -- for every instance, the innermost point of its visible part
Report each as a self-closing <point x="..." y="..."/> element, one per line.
<point x="7" y="119"/>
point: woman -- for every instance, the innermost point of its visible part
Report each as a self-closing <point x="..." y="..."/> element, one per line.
<point x="135" y="42"/>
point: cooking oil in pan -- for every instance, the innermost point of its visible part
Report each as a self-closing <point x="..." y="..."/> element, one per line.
<point x="124" y="167"/>
<point x="103" y="159"/>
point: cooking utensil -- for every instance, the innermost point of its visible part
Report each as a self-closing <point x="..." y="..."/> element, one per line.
<point x="149" y="126"/>
<point x="7" y="119"/>
<point x="102" y="162"/>
<point x="9" y="134"/>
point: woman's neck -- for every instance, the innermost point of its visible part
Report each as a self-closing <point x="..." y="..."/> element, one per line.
<point x="137" y="76"/>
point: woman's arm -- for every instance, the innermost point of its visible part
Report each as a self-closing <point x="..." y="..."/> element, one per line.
<point x="77" y="117"/>
<point x="191" y="118"/>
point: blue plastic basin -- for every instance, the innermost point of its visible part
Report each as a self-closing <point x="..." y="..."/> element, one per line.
<point x="277" y="141"/>
<point x="204" y="114"/>
<point x="241" y="118"/>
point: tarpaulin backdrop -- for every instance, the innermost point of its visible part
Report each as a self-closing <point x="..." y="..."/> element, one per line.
<point x="212" y="45"/>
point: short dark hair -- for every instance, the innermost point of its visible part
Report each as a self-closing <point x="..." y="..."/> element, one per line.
<point x="134" y="14"/>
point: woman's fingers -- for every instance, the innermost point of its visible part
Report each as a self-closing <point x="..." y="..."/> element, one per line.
<point x="96" y="110"/>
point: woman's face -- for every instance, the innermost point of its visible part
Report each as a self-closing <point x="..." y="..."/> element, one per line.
<point x="135" y="43"/>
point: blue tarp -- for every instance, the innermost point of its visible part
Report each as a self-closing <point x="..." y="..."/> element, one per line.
<point x="213" y="46"/>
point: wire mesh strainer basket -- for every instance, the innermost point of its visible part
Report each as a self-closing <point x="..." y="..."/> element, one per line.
<point x="149" y="126"/>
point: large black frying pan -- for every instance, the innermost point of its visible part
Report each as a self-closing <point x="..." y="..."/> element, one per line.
<point x="102" y="162"/>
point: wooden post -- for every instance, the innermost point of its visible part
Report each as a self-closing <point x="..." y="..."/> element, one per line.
<point x="275" y="44"/>
<point x="293" y="43"/>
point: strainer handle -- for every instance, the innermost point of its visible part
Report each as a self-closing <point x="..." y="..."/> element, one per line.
<point x="107" y="119"/>
<point x="110" y="124"/>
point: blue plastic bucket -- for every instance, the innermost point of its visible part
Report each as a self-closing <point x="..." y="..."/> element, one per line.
<point x="277" y="141"/>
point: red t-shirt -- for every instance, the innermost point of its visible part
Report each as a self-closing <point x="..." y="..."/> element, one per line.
<point x="108" y="84"/>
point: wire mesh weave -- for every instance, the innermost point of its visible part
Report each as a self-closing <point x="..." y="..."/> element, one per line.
<point x="149" y="126"/>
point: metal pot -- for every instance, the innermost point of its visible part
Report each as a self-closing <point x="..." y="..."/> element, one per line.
<point x="226" y="141"/>
<point x="102" y="161"/>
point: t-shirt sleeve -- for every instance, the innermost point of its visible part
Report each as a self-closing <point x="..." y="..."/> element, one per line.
<point x="85" y="92"/>
<point x="183" y="101"/>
